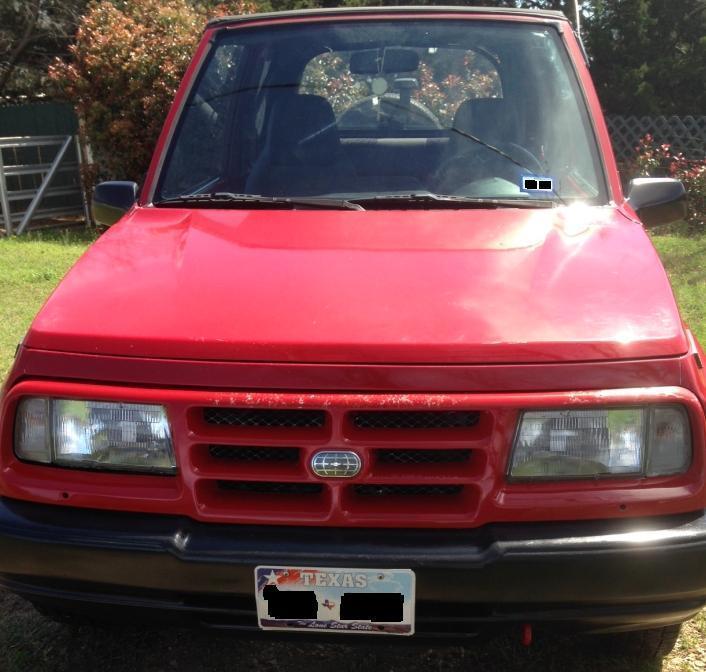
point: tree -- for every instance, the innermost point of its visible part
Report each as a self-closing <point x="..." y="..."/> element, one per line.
<point x="124" y="68"/>
<point x="649" y="58"/>
<point x="32" y="32"/>
<point x="129" y="56"/>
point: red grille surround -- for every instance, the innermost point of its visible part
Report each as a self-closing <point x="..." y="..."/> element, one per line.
<point x="428" y="460"/>
<point x="441" y="491"/>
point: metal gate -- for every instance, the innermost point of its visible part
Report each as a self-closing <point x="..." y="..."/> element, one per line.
<point x="40" y="178"/>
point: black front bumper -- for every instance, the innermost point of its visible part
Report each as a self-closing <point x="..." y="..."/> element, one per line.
<point x="589" y="576"/>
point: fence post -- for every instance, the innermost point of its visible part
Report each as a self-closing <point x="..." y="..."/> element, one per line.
<point x="84" y="193"/>
<point x="4" y="203"/>
<point x="45" y="184"/>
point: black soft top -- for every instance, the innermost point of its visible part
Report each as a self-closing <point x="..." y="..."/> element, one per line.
<point x="501" y="12"/>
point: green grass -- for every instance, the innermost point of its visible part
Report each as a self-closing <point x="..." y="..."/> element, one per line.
<point x="30" y="268"/>
<point x="685" y="260"/>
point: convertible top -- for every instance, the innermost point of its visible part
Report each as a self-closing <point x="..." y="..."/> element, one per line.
<point x="540" y="15"/>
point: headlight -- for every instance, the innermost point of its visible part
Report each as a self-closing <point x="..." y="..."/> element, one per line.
<point x="94" y="435"/>
<point x="587" y="443"/>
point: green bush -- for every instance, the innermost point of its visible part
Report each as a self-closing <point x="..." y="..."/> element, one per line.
<point x="125" y="66"/>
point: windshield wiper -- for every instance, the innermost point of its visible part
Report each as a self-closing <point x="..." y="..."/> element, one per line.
<point x="419" y="200"/>
<point x="224" y="199"/>
<point x="504" y="155"/>
<point x="424" y="199"/>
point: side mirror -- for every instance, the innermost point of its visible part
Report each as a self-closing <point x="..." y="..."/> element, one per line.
<point x="111" y="200"/>
<point x="658" y="200"/>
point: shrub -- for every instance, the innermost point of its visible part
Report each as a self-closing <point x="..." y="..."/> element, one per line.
<point x="657" y="160"/>
<point x="125" y="66"/>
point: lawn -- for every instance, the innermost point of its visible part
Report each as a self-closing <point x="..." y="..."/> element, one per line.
<point x="30" y="268"/>
<point x="685" y="260"/>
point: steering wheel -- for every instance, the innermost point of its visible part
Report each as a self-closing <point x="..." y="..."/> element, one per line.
<point x="390" y="111"/>
<point x="481" y="162"/>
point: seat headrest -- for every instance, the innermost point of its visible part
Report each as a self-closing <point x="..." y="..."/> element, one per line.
<point x="487" y="118"/>
<point x="304" y="125"/>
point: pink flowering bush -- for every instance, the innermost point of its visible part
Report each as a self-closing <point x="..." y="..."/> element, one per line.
<point x="123" y="70"/>
<point x="653" y="160"/>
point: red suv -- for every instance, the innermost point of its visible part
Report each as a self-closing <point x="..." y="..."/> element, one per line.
<point x="379" y="348"/>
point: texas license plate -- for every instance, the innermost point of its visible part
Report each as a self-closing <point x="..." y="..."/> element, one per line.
<point x="369" y="601"/>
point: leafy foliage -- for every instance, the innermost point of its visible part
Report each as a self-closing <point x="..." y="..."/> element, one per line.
<point x="446" y="79"/>
<point x="126" y="64"/>
<point x="129" y="56"/>
<point x="649" y="57"/>
<point x="656" y="160"/>
<point x="31" y="33"/>
<point x="328" y="75"/>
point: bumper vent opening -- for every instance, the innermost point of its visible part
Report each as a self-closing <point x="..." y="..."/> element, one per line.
<point x="369" y="490"/>
<point x="270" y="488"/>
<point x="253" y="454"/>
<point x="414" y="420"/>
<point x="265" y="418"/>
<point x="259" y="501"/>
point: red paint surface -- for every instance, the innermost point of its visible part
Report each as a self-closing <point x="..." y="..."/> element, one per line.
<point x="217" y="374"/>
<point x="423" y="287"/>
<point x="487" y="497"/>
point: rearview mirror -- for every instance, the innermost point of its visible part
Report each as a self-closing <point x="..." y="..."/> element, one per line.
<point x="391" y="59"/>
<point x="658" y="200"/>
<point x="111" y="200"/>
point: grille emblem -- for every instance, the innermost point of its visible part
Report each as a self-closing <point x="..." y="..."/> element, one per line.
<point x="336" y="464"/>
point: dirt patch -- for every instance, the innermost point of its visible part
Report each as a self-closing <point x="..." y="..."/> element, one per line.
<point x="29" y="642"/>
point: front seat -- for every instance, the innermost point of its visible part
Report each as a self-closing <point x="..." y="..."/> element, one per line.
<point x="302" y="155"/>
<point x="489" y="119"/>
<point x="493" y="121"/>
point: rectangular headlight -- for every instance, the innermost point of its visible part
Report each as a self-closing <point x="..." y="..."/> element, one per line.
<point x="588" y="443"/>
<point x="94" y="435"/>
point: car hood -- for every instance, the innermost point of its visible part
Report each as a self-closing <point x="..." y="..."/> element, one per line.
<point x="417" y="286"/>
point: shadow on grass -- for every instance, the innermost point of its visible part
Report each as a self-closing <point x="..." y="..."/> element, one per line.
<point x="30" y="642"/>
<point x="66" y="235"/>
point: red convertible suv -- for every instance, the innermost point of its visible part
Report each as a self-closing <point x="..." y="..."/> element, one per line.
<point x="378" y="348"/>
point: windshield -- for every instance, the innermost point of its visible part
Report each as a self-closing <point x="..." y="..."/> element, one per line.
<point x="360" y="110"/>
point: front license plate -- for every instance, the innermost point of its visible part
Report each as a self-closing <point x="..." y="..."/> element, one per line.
<point x="370" y="601"/>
